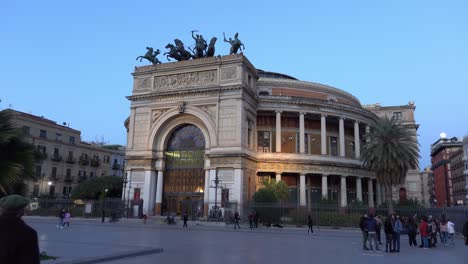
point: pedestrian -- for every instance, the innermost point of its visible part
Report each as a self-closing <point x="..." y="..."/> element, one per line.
<point x="433" y="237"/>
<point x="397" y="228"/>
<point x="251" y="219"/>
<point x="61" y="216"/>
<point x="412" y="229"/>
<point x="18" y="241"/>
<point x="379" y="228"/>
<point x="362" y="222"/>
<point x="371" y="227"/>
<point x="185" y="220"/>
<point x="256" y="219"/>
<point x="145" y="217"/>
<point x="66" y="219"/>
<point x="103" y="215"/>
<point x="424" y="232"/>
<point x="465" y="232"/>
<point x="451" y="232"/>
<point x="310" y="225"/>
<point x="236" y="220"/>
<point x="388" y="230"/>
<point x="444" y="231"/>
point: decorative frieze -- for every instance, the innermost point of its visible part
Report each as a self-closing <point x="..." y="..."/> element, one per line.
<point x="185" y="80"/>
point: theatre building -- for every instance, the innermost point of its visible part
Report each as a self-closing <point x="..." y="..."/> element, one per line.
<point x="196" y="121"/>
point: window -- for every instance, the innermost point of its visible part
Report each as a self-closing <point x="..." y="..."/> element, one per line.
<point x="58" y="137"/>
<point x="43" y="134"/>
<point x="26" y="130"/>
<point x="35" y="190"/>
<point x="106" y="159"/>
<point x="38" y="171"/>
<point x="54" y="172"/>
<point x="42" y="149"/>
<point x="91" y="174"/>
<point x="264" y="141"/>
<point x="72" y="140"/>
<point x="306" y="143"/>
<point x="52" y="190"/>
<point x="68" y="173"/>
<point x="397" y="116"/>
<point x="333" y="146"/>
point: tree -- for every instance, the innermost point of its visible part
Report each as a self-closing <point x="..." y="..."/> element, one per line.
<point x="16" y="157"/>
<point x="391" y="151"/>
<point x="95" y="188"/>
<point x="278" y="188"/>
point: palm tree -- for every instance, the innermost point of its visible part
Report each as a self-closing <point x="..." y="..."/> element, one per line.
<point x="16" y="157"/>
<point x="391" y="151"/>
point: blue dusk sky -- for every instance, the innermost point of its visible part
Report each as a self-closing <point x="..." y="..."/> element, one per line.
<point x="70" y="61"/>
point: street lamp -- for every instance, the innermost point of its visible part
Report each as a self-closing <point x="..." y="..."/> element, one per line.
<point x="124" y="191"/>
<point x="216" y="186"/>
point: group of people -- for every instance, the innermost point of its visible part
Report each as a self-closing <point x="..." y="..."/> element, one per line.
<point x="428" y="228"/>
<point x="253" y="219"/>
<point x="64" y="218"/>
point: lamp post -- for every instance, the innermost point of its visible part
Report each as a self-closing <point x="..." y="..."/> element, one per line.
<point x="124" y="191"/>
<point x="216" y="182"/>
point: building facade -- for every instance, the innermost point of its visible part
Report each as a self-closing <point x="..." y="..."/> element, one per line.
<point x="220" y="120"/>
<point x="65" y="160"/>
<point x="441" y="168"/>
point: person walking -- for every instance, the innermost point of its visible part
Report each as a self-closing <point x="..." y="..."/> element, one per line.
<point x="444" y="231"/>
<point x="251" y="216"/>
<point x="412" y="229"/>
<point x="451" y="232"/>
<point x="362" y="226"/>
<point x="397" y="228"/>
<point x="18" y="241"/>
<point x="185" y="220"/>
<point x="61" y="216"/>
<point x="66" y="219"/>
<point x="103" y="215"/>
<point x="256" y="219"/>
<point x="465" y="232"/>
<point x="371" y="227"/>
<point x="425" y="232"/>
<point x="379" y="228"/>
<point x="388" y="230"/>
<point x="236" y="220"/>
<point x="310" y="225"/>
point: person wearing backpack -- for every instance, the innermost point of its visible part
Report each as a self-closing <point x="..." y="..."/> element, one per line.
<point x="388" y="230"/>
<point x="412" y="231"/>
<point x="424" y="231"/>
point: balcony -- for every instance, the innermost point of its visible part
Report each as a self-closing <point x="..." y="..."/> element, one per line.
<point x="116" y="166"/>
<point x="41" y="155"/>
<point x="95" y="162"/>
<point x="70" y="160"/>
<point x="53" y="178"/>
<point x="83" y="161"/>
<point x="56" y="157"/>
<point x="82" y="178"/>
<point x="68" y="179"/>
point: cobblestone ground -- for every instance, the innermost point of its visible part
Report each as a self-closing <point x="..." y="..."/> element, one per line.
<point x="222" y="244"/>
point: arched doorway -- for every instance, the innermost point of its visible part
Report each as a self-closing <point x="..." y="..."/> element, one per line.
<point x="184" y="174"/>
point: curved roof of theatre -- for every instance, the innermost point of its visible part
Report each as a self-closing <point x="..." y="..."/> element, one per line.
<point x="285" y="85"/>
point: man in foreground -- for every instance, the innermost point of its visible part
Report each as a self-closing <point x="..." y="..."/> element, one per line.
<point x="18" y="241"/>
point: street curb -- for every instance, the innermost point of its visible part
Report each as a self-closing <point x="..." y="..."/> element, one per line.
<point x="128" y="254"/>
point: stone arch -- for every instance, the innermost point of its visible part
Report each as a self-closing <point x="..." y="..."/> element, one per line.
<point x="162" y="129"/>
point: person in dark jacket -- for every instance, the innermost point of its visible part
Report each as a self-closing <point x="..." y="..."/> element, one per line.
<point x="371" y="227"/>
<point x="236" y="220"/>
<point x="388" y="230"/>
<point x="362" y="223"/>
<point x="185" y="220"/>
<point x="18" y="241"/>
<point x="465" y="232"/>
<point x="412" y="229"/>
<point x="309" y="224"/>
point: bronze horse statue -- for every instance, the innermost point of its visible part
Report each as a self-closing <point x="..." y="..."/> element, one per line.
<point x="236" y="44"/>
<point x="211" y="47"/>
<point x="172" y="53"/>
<point x="186" y="55"/>
<point x="150" y="56"/>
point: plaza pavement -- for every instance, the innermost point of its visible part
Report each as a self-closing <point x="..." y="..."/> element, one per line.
<point x="211" y="243"/>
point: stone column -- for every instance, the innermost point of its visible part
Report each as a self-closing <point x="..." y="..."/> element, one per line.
<point x="370" y="191"/>
<point x="342" y="139"/>
<point x="323" y="134"/>
<point x="367" y="133"/>
<point x="159" y="191"/>
<point x="359" y="188"/>
<point x="302" y="190"/>
<point x="357" y="143"/>
<point x="344" y="194"/>
<point x="278" y="131"/>
<point x="148" y="192"/>
<point x="301" y="133"/>
<point x="324" y="185"/>
<point x="379" y="193"/>
<point x="206" y="194"/>
<point x="278" y="176"/>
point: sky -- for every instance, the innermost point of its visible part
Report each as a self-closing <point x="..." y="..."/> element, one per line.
<point x="71" y="61"/>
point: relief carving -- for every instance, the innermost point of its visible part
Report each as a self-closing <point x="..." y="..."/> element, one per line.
<point x="185" y="80"/>
<point x="156" y="114"/>
<point x="229" y="73"/>
<point x="209" y="110"/>
<point x="143" y="84"/>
